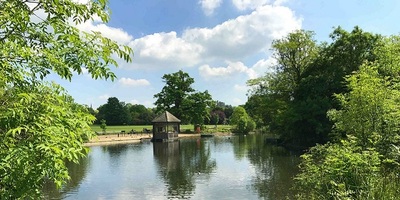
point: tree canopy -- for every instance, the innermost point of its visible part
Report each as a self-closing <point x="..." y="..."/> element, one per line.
<point x="179" y="98"/>
<point x="114" y="112"/>
<point x="293" y="101"/>
<point x="344" y="104"/>
<point x="40" y="125"/>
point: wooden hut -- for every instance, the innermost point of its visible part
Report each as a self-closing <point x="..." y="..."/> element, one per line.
<point x="165" y="127"/>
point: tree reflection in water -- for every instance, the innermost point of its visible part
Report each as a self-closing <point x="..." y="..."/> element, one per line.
<point x="272" y="164"/>
<point x="179" y="162"/>
<point x="77" y="172"/>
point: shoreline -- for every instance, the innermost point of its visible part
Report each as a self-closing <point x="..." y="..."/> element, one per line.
<point x="112" y="139"/>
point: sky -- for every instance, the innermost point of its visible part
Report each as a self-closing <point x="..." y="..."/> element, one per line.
<point x="219" y="43"/>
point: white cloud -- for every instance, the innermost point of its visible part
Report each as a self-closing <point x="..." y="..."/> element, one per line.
<point x="280" y="2"/>
<point x="104" y="97"/>
<point x="209" y="6"/>
<point x="253" y="4"/>
<point x="248" y="4"/>
<point x="264" y="65"/>
<point x="115" y="34"/>
<point x="247" y="34"/>
<point x="161" y="50"/>
<point x="133" y="82"/>
<point x="240" y="88"/>
<point x="233" y="69"/>
<point x="232" y="40"/>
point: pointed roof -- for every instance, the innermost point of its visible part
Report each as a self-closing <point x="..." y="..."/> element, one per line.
<point x="165" y="117"/>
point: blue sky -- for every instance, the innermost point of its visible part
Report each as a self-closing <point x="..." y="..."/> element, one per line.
<point x="220" y="43"/>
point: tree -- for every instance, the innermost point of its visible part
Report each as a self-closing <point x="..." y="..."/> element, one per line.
<point x="363" y="163"/>
<point x="103" y="125"/>
<point x="271" y="99"/>
<point x="326" y="77"/>
<point x="197" y="106"/>
<point x="369" y="112"/>
<point x="114" y="112"/>
<point x="140" y="114"/>
<point x="51" y="43"/>
<point x="293" y="100"/>
<point x="244" y="124"/>
<point x="294" y="54"/>
<point x="40" y="125"/>
<point x="179" y="98"/>
<point x="217" y="116"/>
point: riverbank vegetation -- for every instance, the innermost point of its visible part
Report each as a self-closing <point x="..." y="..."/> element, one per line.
<point x="342" y="100"/>
<point x="186" y="128"/>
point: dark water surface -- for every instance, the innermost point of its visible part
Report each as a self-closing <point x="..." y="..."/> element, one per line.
<point x="209" y="168"/>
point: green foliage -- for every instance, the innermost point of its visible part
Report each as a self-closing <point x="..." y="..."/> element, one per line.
<point x="242" y="121"/>
<point x="40" y="126"/>
<point x="293" y="101"/>
<point x="365" y="161"/>
<point x="140" y="114"/>
<point x="294" y="54"/>
<point x="40" y="45"/>
<point x="338" y="171"/>
<point x="172" y="96"/>
<point x="179" y="98"/>
<point x="238" y="112"/>
<point x="114" y="112"/>
<point x="370" y="111"/>
<point x="103" y="125"/>
<point x="197" y="105"/>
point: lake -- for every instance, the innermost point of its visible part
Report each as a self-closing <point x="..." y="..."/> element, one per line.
<point x="235" y="167"/>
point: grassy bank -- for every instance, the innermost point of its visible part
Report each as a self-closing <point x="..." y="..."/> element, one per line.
<point x="139" y="128"/>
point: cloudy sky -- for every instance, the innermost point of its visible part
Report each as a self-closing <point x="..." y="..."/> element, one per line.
<point x="219" y="43"/>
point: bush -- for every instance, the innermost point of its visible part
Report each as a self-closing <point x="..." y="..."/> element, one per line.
<point x="245" y="125"/>
<point x="344" y="171"/>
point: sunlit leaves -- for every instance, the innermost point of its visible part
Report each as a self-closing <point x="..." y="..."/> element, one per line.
<point x="40" y="125"/>
<point x="364" y="161"/>
<point x="39" y="45"/>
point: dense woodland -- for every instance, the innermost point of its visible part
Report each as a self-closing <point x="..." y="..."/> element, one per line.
<point x="342" y="99"/>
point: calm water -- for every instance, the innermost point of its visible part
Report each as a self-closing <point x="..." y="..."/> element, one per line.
<point x="208" y="168"/>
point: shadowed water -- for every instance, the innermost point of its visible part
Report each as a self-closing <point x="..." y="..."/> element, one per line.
<point x="212" y="168"/>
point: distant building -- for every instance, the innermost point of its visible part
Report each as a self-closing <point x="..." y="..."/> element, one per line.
<point x="165" y="127"/>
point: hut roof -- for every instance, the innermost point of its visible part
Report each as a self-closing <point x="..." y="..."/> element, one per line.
<point x="165" y="117"/>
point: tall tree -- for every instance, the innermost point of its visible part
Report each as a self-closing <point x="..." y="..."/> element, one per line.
<point x="294" y="54"/>
<point x="114" y="112"/>
<point x="293" y="100"/>
<point x="326" y="77"/>
<point x="197" y="107"/>
<point x="177" y="88"/>
<point x="179" y="98"/>
<point x="41" y="127"/>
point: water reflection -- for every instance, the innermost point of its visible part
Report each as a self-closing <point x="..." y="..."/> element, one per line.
<point x="76" y="171"/>
<point x="180" y="162"/>
<point x="214" y="168"/>
<point x="272" y="163"/>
